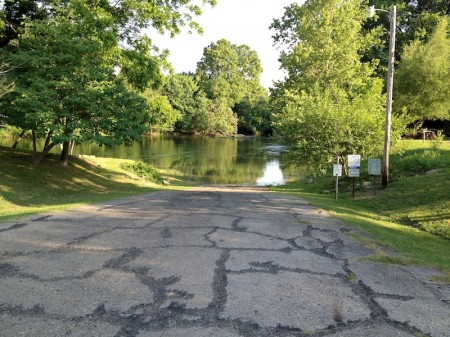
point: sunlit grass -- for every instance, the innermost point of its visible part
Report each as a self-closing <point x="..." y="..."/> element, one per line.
<point x="26" y="189"/>
<point x="411" y="217"/>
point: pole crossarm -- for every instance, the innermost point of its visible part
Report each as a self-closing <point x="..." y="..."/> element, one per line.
<point x="371" y="11"/>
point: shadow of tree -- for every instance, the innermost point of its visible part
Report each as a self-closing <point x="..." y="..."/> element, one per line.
<point x="24" y="186"/>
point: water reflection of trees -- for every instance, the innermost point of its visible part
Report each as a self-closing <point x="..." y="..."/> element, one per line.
<point x="219" y="160"/>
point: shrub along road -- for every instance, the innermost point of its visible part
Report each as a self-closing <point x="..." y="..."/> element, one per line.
<point x="210" y="261"/>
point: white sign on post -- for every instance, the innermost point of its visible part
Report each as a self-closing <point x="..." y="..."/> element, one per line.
<point x="354" y="165"/>
<point x="337" y="170"/>
<point x="375" y="167"/>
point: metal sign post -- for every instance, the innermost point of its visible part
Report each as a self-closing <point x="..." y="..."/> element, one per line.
<point x="354" y="166"/>
<point x="337" y="172"/>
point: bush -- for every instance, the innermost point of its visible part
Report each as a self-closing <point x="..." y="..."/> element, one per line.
<point x="418" y="161"/>
<point x="144" y="170"/>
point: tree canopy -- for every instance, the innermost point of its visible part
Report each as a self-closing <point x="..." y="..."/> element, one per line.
<point x="231" y="73"/>
<point x="330" y="104"/>
<point x="65" y="56"/>
<point x="4" y="87"/>
<point x="129" y="16"/>
<point x="223" y="95"/>
<point x="188" y="101"/>
<point x="422" y="83"/>
<point x="229" y="70"/>
<point x="416" y="20"/>
<point x="66" y="89"/>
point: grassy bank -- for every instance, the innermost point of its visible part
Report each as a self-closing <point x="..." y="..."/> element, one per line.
<point x="411" y="216"/>
<point x="25" y="189"/>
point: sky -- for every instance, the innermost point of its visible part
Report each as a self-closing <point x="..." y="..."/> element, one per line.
<point x="238" y="21"/>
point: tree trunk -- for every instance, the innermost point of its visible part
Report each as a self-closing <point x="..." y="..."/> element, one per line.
<point x="47" y="140"/>
<point x="64" y="153"/>
<point x="71" y="146"/>
<point x="18" y="139"/>
<point x="343" y="161"/>
<point x="37" y="160"/>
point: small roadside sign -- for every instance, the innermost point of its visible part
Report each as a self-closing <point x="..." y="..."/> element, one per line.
<point x="337" y="170"/>
<point x="354" y="165"/>
<point x="375" y="167"/>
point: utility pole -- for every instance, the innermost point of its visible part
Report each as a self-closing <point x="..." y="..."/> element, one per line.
<point x="390" y="85"/>
<point x="389" y="89"/>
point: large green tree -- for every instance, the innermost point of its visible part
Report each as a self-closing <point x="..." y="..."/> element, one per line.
<point x="130" y="16"/>
<point x="416" y="20"/>
<point x="228" y="70"/>
<point x="182" y="92"/>
<point x="232" y="72"/>
<point x="422" y="80"/>
<point x="66" y="89"/>
<point x="195" y="112"/>
<point x="330" y="104"/>
<point x="65" y="54"/>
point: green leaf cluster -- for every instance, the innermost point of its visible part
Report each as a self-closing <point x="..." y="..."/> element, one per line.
<point x="330" y="104"/>
<point x="254" y="116"/>
<point x="80" y="67"/>
<point x="228" y="70"/>
<point x="224" y="94"/>
<point x="188" y="101"/>
<point x="422" y="80"/>
<point x="5" y="87"/>
<point x="416" y="20"/>
<point x="230" y="74"/>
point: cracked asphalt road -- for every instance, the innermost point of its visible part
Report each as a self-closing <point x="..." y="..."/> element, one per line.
<point x="211" y="261"/>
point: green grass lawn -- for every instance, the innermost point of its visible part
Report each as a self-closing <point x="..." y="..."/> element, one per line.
<point x="25" y="189"/>
<point x="411" y="216"/>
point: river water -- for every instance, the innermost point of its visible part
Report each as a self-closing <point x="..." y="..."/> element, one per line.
<point x="241" y="160"/>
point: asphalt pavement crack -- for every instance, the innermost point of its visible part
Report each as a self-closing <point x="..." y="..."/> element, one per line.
<point x="235" y="225"/>
<point x="15" y="226"/>
<point x="118" y="263"/>
<point x="81" y="239"/>
<point x="42" y="218"/>
<point x="241" y="266"/>
<point x="220" y="284"/>
<point x="307" y="231"/>
<point x="8" y="269"/>
<point x="394" y="297"/>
